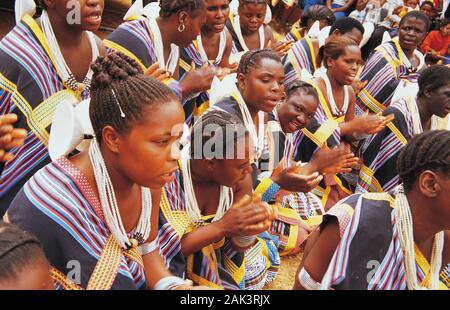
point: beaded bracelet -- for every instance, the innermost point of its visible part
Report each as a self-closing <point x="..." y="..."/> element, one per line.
<point x="268" y="189"/>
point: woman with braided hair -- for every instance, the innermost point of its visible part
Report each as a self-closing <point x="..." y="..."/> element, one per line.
<point x="413" y="115"/>
<point x="154" y="43"/>
<point x="100" y="207"/>
<point x="389" y="241"/>
<point x="209" y="221"/>
<point x="23" y="265"/>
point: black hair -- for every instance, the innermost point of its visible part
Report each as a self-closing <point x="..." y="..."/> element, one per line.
<point x="210" y="128"/>
<point x="347" y="24"/>
<point x="427" y="151"/>
<point x="172" y="7"/>
<point x="119" y="85"/>
<point x="301" y="87"/>
<point x="432" y="78"/>
<point x="444" y="22"/>
<point x="18" y="250"/>
<point x="318" y="12"/>
<point x="243" y="2"/>
<point x="252" y="58"/>
<point x="417" y="15"/>
<point x="427" y="2"/>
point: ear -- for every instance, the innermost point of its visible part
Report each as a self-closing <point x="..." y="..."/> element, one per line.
<point x="427" y="92"/>
<point x="182" y="17"/>
<point x="241" y="81"/>
<point x="329" y="62"/>
<point x="429" y="184"/>
<point x="209" y="165"/>
<point x="336" y="33"/>
<point x="111" y="139"/>
<point x="48" y="3"/>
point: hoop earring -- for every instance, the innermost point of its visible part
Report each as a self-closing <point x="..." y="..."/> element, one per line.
<point x="181" y="27"/>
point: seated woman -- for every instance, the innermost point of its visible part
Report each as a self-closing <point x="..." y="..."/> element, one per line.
<point x="44" y="61"/>
<point x="391" y="63"/>
<point x="306" y="54"/>
<point x="207" y="213"/>
<point x="95" y="209"/>
<point x="23" y="265"/>
<point x="212" y="46"/>
<point x="299" y="213"/>
<point x="413" y="115"/>
<point x="377" y="230"/>
<point x="335" y="119"/>
<point x="142" y="40"/>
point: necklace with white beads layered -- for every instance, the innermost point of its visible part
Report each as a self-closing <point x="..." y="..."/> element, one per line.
<point x="110" y="207"/>
<point x="404" y="224"/>
<point x="62" y="68"/>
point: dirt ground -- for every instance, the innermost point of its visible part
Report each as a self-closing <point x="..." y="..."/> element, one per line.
<point x="288" y="269"/>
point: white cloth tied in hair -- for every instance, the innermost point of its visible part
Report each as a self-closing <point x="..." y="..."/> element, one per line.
<point x="71" y="124"/>
<point x="24" y="7"/>
<point x="137" y="10"/>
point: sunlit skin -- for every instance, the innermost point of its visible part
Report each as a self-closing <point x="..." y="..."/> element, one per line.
<point x="411" y="33"/>
<point x="297" y="111"/>
<point x="72" y="39"/>
<point x="251" y="18"/>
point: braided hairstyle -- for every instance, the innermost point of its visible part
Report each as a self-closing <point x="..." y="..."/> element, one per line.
<point x="301" y="87"/>
<point x="336" y="47"/>
<point x="432" y="78"/>
<point x="244" y="2"/>
<point x="252" y="58"/>
<point x="347" y="24"/>
<point x="18" y="250"/>
<point x="417" y="15"/>
<point x="427" y="151"/>
<point x="213" y="126"/>
<point x="317" y="12"/>
<point x="173" y="7"/>
<point x="119" y="85"/>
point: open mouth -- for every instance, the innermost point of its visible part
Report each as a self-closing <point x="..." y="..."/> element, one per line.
<point x="95" y="18"/>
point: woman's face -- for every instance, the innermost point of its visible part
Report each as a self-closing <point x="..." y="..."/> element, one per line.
<point x="298" y="110"/>
<point x="428" y="10"/>
<point x="193" y="24"/>
<point x="411" y="33"/>
<point x="263" y="86"/>
<point x="217" y="12"/>
<point x="251" y="16"/>
<point x="440" y="101"/>
<point x="230" y="172"/>
<point x="147" y="154"/>
<point x="83" y="14"/>
<point x="345" y="67"/>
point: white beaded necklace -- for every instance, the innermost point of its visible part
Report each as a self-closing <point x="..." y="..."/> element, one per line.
<point x="222" y="45"/>
<point x="172" y="62"/>
<point x="404" y="224"/>
<point x="330" y="97"/>
<point x="111" y="209"/>
<point x="257" y="136"/>
<point x="61" y="66"/>
<point x="238" y="30"/>
<point x="193" y="211"/>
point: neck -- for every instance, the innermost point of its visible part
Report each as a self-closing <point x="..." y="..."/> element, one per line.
<point x="409" y="53"/>
<point x="335" y="84"/>
<point x="425" y="114"/>
<point x="66" y="35"/>
<point x="170" y="32"/>
<point x="426" y="224"/>
<point x="209" y="33"/>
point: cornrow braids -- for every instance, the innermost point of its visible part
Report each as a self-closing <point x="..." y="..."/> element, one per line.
<point x="18" y="250"/>
<point x="172" y="7"/>
<point x="216" y="128"/>
<point x="301" y="87"/>
<point x="432" y="78"/>
<point x="252" y="58"/>
<point x="120" y="92"/>
<point x="427" y="151"/>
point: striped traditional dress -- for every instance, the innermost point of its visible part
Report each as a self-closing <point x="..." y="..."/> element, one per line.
<point x="217" y="265"/>
<point x="30" y="87"/>
<point x="383" y="71"/>
<point x="369" y="255"/>
<point x="301" y="56"/>
<point x="60" y="207"/>
<point x="380" y="151"/>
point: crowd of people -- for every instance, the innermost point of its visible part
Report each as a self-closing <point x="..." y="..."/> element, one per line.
<point x="200" y="143"/>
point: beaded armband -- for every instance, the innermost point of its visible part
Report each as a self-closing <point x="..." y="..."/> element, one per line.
<point x="267" y="189"/>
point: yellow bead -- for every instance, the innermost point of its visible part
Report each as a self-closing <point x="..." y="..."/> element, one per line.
<point x="134" y="242"/>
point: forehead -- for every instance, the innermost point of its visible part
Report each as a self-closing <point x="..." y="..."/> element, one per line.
<point x="300" y="98"/>
<point x="253" y="8"/>
<point x="217" y="2"/>
<point x="413" y="22"/>
<point x="355" y="35"/>
<point x="161" y="118"/>
<point x="268" y="65"/>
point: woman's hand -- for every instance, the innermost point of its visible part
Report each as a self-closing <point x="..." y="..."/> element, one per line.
<point x="198" y="80"/>
<point x="155" y="72"/>
<point x="247" y="217"/>
<point x="10" y="137"/>
<point x="296" y="179"/>
<point x="338" y="159"/>
<point x="280" y="47"/>
<point x="370" y="123"/>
